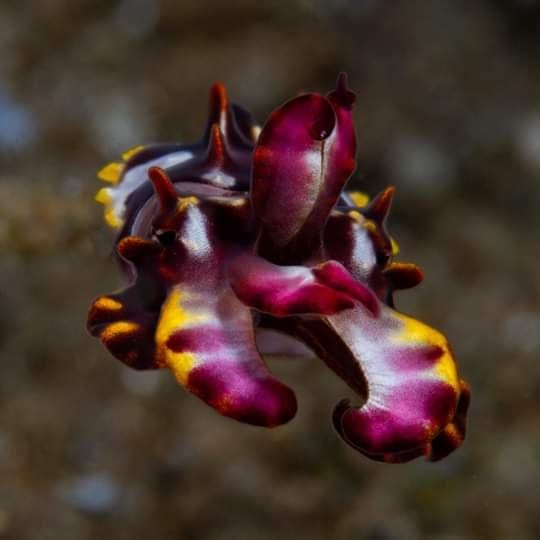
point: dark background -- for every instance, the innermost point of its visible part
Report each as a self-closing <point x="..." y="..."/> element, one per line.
<point x="448" y="110"/>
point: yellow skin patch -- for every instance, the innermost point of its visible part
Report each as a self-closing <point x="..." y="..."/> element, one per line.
<point x="108" y="303"/>
<point x="111" y="172"/>
<point x="238" y="201"/>
<point x="446" y="369"/>
<point x="358" y="198"/>
<point x="395" y="246"/>
<point x="181" y="364"/>
<point x="174" y="317"/>
<point x="415" y="332"/>
<point x="118" y="328"/>
<point x="186" y="202"/>
<point x="357" y="216"/>
<point x="128" y="154"/>
<point x="452" y="432"/>
<point x="370" y="226"/>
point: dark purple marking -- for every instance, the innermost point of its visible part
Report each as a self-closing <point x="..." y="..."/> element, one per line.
<point x="440" y="405"/>
<point x="410" y="419"/>
<point x="236" y="391"/>
<point x="379" y="431"/>
<point x="200" y="339"/>
<point x="415" y="359"/>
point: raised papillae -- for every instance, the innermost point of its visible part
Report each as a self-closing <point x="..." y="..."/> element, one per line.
<point x="246" y="244"/>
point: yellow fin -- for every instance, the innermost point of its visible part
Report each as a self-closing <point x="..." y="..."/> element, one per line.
<point x="111" y="172"/>
<point x="103" y="196"/>
<point x="128" y="154"/>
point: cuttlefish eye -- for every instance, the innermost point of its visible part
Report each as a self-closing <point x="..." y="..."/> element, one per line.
<point x="165" y="237"/>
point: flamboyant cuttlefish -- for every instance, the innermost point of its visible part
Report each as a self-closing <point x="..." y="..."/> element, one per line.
<point x="244" y="244"/>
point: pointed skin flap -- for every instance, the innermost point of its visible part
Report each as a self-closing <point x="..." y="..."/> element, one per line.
<point x="303" y="158"/>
